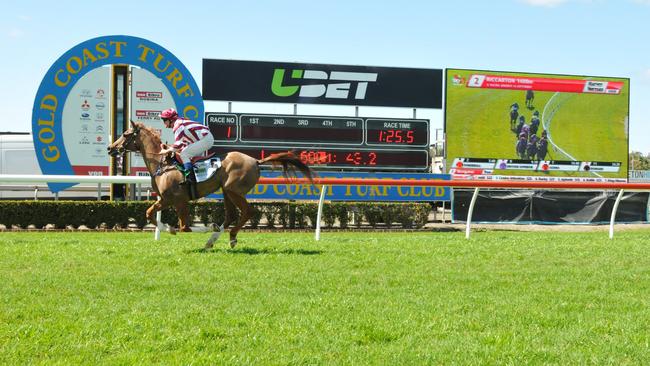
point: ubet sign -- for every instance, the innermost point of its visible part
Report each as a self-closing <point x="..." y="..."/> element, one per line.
<point x="284" y="82"/>
<point x="338" y="86"/>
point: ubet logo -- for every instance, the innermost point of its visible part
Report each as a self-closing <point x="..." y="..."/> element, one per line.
<point x="340" y="90"/>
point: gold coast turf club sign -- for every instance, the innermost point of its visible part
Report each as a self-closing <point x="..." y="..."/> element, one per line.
<point x="78" y="61"/>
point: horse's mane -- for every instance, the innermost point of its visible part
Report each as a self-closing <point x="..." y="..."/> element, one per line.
<point x="155" y="135"/>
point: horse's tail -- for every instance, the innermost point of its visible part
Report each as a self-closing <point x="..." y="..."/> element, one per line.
<point x="290" y="163"/>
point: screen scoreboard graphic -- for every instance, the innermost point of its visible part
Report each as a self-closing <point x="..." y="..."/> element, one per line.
<point x="502" y="125"/>
<point x="328" y="142"/>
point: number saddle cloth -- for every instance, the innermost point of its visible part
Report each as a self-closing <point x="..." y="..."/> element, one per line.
<point x="204" y="166"/>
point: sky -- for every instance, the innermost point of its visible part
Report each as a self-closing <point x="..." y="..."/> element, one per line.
<point x="577" y="37"/>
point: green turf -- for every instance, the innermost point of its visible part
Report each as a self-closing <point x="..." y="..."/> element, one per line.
<point x="352" y="298"/>
<point x="588" y="127"/>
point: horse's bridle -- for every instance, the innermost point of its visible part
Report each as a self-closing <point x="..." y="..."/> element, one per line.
<point x="131" y="139"/>
<point x="128" y="140"/>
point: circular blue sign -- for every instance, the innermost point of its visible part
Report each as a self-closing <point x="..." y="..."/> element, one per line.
<point x="85" y="57"/>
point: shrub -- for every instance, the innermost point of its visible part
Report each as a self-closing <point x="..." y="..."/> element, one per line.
<point x="287" y="214"/>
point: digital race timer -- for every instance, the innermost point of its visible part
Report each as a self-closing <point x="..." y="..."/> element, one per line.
<point x="324" y="141"/>
<point x="397" y="132"/>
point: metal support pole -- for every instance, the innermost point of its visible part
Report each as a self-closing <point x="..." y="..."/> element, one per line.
<point x="36" y="193"/>
<point x="56" y="196"/>
<point x="295" y="109"/>
<point x="611" y="221"/>
<point x="414" y="113"/>
<point x="99" y="191"/>
<point x="320" y="211"/>
<point x="229" y="107"/>
<point x="471" y="210"/>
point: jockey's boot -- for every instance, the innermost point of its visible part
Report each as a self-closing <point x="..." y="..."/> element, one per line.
<point x="190" y="177"/>
<point x="190" y="180"/>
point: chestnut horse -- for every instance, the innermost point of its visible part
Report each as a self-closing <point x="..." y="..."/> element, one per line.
<point x="238" y="174"/>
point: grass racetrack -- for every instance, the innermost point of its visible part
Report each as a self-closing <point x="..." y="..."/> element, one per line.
<point x="352" y="298"/>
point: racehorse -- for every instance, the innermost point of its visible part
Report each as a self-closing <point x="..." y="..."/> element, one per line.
<point x="530" y="96"/>
<point x="513" y="119"/>
<point x="520" y="147"/>
<point x="238" y="174"/>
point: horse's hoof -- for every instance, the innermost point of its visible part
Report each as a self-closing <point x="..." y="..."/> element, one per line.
<point x="233" y="242"/>
<point x="171" y="230"/>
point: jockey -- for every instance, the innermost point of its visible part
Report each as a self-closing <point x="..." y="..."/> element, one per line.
<point x="514" y="107"/>
<point x="192" y="139"/>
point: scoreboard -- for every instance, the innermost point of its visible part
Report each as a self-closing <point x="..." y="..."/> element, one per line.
<point x="327" y="142"/>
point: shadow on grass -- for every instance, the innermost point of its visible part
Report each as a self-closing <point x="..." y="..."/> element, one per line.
<point x="255" y="251"/>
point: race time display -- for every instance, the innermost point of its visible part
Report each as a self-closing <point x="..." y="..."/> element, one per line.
<point x="549" y="127"/>
<point x="326" y="141"/>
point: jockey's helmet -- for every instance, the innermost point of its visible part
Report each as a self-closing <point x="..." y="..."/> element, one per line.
<point x="169" y="113"/>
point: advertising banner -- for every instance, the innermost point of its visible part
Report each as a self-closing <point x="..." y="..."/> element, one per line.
<point x="149" y="97"/>
<point x="353" y="193"/>
<point x="506" y="125"/>
<point x="87" y="113"/>
<point x="285" y="82"/>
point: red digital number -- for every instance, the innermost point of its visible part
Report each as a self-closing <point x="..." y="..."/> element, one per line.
<point x="372" y="158"/>
<point x="409" y="137"/>
<point x="353" y="158"/>
<point x="389" y="135"/>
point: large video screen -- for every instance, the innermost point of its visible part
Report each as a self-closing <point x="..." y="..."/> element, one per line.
<point x="551" y="127"/>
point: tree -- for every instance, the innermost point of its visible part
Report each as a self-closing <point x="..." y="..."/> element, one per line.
<point x="638" y="161"/>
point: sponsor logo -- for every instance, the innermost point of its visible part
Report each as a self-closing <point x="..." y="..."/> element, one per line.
<point x="100" y="105"/>
<point x="595" y="86"/>
<point x="86" y="93"/>
<point x="100" y="94"/>
<point x="147" y="114"/>
<point x="99" y="129"/>
<point x="458" y="80"/>
<point x="100" y="116"/>
<point x="84" y="128"/>
<point x="85" y="105"/>
<point x="149" y="96"/>
<point x="336" y="84"/>
<point x="85" y="115"/>
<point x="99" y="140"/>
<point x="84" y="141"/>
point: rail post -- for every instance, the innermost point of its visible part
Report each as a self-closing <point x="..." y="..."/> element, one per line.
<point x="470" y="211"/>
<point x="320" y="211"/>
<point x="611" y="221"/>
<point x="157" y="232"/>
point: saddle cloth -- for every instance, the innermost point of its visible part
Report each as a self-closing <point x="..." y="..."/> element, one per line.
<point x="204" y="166"/>
<point x="205" y="169"/>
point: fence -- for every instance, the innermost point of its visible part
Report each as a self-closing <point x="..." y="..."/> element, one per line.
<point x="476" y="184"/>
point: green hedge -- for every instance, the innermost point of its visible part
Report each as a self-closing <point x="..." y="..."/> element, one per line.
<point x="288" y="215"/>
